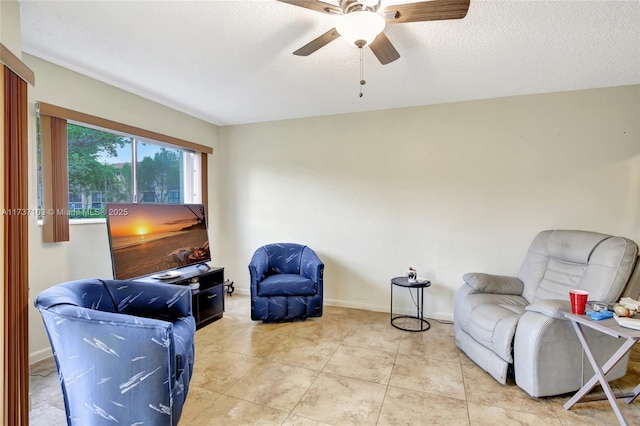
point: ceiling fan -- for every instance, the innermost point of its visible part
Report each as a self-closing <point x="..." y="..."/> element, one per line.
<point x="362" y="22"/>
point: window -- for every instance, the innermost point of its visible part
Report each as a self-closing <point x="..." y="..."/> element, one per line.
<point x="105" y="179"/>
<point x="109" y="167"/>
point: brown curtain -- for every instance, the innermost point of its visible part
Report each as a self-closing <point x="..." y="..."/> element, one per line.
<point x="16" y="279"/>
<point x="204" y="176"/>
<point x="55" y="179"/>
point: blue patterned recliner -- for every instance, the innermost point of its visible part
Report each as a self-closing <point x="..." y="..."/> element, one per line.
<point x="124" y="349"/>
<point x="286" y="283"/>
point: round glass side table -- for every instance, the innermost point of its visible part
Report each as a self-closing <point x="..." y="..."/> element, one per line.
<point x="419" y="302"/>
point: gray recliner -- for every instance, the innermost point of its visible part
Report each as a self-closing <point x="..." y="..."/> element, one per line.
<point x="514" y="324"/>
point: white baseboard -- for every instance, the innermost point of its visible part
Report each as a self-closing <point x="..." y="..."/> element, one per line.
<point x="441" y="316"/>
<point x="40" y="355"/>
<point x="356" y="305"/>
<point x="242" y="291"/>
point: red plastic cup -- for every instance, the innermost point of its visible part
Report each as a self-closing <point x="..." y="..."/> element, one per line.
<point x="578" y="301"/>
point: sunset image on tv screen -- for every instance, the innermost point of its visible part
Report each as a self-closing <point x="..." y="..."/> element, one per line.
<point x="149" y="238"/>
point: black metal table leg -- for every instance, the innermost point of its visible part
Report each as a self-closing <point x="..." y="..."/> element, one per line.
<point x="419" y="286"/>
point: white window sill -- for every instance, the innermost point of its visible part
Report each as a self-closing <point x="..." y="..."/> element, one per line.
<point x="73" y="222"/>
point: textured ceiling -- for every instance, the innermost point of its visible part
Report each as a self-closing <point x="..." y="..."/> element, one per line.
<point x="231" y="62"/>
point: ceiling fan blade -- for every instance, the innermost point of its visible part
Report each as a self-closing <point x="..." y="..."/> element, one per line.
<point x="317" y="43"/>
<point x="316" y="5"/>
<point x="434" y="10"/>
<point x="383" y="49"/>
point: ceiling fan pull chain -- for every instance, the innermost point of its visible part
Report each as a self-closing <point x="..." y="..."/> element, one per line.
<point x="362" y="82"/>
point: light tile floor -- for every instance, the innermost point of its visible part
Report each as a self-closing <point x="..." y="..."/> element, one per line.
<point x="348" y="367"/>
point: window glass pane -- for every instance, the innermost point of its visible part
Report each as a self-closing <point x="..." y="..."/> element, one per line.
<point x="160" y="174"/>
<point x="99" y="170"/>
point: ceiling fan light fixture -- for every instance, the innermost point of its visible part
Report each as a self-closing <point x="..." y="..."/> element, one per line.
<point x="370" y="3"/>
<point x="361" y="26"/>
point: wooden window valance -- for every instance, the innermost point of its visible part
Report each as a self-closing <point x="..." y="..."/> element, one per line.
<point x="80" y="117"/>
<point x="14" y="63"/>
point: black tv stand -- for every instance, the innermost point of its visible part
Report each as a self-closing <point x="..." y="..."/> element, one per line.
<point x="207" y="290"/>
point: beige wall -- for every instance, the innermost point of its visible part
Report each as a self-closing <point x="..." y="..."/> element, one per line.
<point x="446" y="189"/>
<point x="10" y="26"/>
<point x="86" y="255"/>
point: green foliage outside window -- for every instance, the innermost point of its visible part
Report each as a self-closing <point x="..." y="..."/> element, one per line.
<point x="97" y="175"/>
<point x="87" y="173"/>
<point x="160" y="174"/>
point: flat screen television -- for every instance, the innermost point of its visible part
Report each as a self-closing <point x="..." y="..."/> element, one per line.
<point x="152" y="238"/>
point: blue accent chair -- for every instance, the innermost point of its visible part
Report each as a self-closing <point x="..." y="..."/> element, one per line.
<point x="124" y="350"/>
<point x="286" y="283"/>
